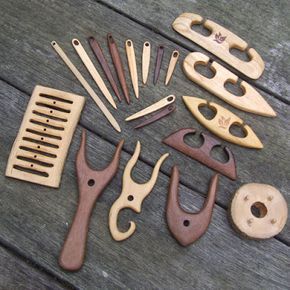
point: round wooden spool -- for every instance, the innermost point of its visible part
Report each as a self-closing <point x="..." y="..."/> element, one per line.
<point x="259" y="211"/>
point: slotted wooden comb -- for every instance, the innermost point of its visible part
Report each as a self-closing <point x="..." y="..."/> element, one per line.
<point x="42" y="143"/>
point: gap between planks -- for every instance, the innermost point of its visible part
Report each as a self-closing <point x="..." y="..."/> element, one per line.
<point x="29" y="261"/>
<point x="155" y="30"/>
<point x="185" y="184"/>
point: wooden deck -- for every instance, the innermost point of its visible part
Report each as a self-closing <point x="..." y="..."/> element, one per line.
<point x="35" y="219"/>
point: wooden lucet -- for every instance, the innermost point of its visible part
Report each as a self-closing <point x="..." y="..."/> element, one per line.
<point x="251" y="101"/>
<point x="221" y="123"/>
<point x="91" y="185"/>
<point x="132" y="195"/>
<point x="188" y="227"/>
<point x="202" y="154"/>
<point x="220" y="42"/>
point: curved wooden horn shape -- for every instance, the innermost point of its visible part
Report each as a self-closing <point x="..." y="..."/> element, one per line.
<point x="132" y="195"/>
<point x="202" y="154"/>
<point x="251" y="101"/>
<point x="91" y="185"/>
<point x="219" y="42"/>
<point x="221" y="123"/>
<point x="188" y="227"/>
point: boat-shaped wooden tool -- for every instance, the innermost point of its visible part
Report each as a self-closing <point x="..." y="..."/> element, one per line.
<point x="221" y="123"/>
<point x="251" y="101"/>
<point x="220" y="42"/>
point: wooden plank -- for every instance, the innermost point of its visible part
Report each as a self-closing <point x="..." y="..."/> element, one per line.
<point x="17" y="274"/>
<point x="40" y="64"/>
<point x="35" y="220"/>
<point x="240" y="17"/>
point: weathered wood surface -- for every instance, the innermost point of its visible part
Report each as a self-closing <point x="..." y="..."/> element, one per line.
<point x="26" y="60"/>
<point x="268" y="33"/>
<point x="35" y="220"/>
<point x="18" y="274"/>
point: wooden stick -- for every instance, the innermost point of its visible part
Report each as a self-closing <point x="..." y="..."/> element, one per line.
<point x="132" y="65"/>
<point x="85" y="84"/>
<point x="146" y="61"/>
<point x="171" y="66"/>
<point x="92" y="70"/>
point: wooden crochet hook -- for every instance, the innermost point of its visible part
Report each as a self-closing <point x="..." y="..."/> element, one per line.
<point x="186" y="227"/>
<point x="251" y="101"/>
<point x="171" y="66"/>
<point x="222" y="122"/>
<point x="132" y="65"/>
<point x="220" y="42"/>
<point x="118" y="65"/>
<point x="93" y="71"/>
<point x="146" y="61"/>
<point x="87" y="87"/>
<point x="132" y="195"/>
<point x="97" y="50"/>
<point x="91" y="185"/>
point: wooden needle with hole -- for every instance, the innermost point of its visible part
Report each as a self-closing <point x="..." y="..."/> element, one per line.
<point x="85" y="84"/>
<point x="92" y="70"/>
<point x="145" y="61"/>
<point x="171" y="66"/>
<point x="132" y="65"/>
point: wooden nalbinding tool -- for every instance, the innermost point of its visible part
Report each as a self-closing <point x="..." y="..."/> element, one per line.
<point x="258" y="211"/>
<point x="220" y="42"/>
<point x="118" y="65"/>
<point x="145" y="61"/>
<point x="132" y="65"/>
<point x="159" y="57"/>
<point x="251" y="100"/>
<point x="221" y="123"/>
<point x="187" y="227"/>
<point x="86" y="85"/>
<point x="40" y="148"/>
<point x="91" y="185"/>
<point x="97" y="50"/>
<point x="93" y="71"/>
<point x="171" y="66"/>
<point x="202" y="154"/>
<point x="167" y="104"/>
<point x="132" y="195"/>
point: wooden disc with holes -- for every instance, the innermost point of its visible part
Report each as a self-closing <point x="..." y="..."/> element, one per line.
<point x="259" y="211"/>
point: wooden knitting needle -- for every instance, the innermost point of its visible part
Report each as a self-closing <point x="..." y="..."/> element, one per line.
<point x="171" y="66"/>
<point x="92" y="70"/>
<point x="132" y="65"/>
<point x="145" y="61"/>
<point x="85" y="84"/>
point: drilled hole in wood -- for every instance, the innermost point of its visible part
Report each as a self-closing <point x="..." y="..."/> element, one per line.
<point x="259" y="209"/>
<point x="205" y="70"/>
<point x="129" y="43"/>
<point x="199" y="28"/>
<point x="238" y="130"/>
<point x="161" y="47"/>
<point x="146" y="43"/>
<point x="169" y="99"/>
<point x="207" y="111"/>
<point x="130" y="197"/>
<point x="175" y="54"/>
<point x="76" y="42"/>
<point x="186" y="223"/>
<point x="91" y="182"/>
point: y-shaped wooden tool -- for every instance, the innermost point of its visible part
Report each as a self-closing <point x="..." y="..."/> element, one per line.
<point x="251" y="101"/>
<point x="188" y="227"/>
<point x="132" y="195"/>
<point x="91" y="184"/>
<point x="220" y="42"/>
<point x="222" y="122"/>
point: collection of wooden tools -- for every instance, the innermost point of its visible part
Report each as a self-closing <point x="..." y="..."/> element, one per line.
<point x="258" y="211"/>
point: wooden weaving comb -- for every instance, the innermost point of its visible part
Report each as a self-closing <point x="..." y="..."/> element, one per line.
<point x="40" y="148"/>
<point x="251" y="101"/>
<point x="220" y="42"/>
<point x="91" y="185"/>
<point x="221" y="123"/>
<point x="202" y="154"/>
<point x="188" y="227"/>
<point x="132" y="195"/>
